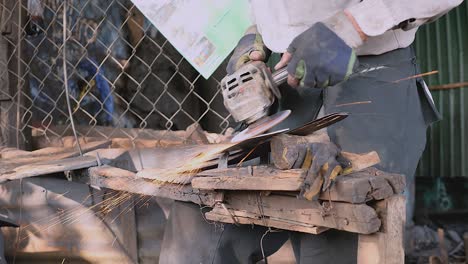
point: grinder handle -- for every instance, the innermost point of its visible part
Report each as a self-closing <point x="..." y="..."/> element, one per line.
<point x="280" y="76"/>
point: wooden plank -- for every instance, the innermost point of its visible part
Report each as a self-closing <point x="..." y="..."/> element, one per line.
<point x="250" y="178"/>
<point x="116" y="179"/>
<point x="166" y="136"/>
<point x="48" y="167"/>
<point x="251" y="171"/>
<point x="182" y="167"/>
<point x="362" y="161"/>
<point x="358" y="218"/>
<point x="286" y="212"/>
<point x="21" y="164"/>
<point x="358" y="187"/>
<point x="41" y="141"/>
<point x="53" y="153"/>
<point x="6" y="153"/>
<point x="219" y="214"/>
<point x="363" y="186"/>
<point x="109" y="171"/>
<point x="127" y="137"/>
<point x="274" y="183"/>
<point x="387" y="245"/>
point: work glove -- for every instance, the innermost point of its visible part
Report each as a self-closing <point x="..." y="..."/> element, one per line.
<point x="323" y="163"/>
<point x="250" y="47"/>
<point x="324" y="55"/>
<point x="320" y="58"/>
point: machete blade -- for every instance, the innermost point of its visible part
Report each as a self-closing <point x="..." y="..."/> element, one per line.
<point x="261" y="126"/>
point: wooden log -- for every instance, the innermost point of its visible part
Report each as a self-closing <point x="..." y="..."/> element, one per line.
<point x="219" y="214"/>
<point x="250" y="178"/>
<point x="385" y="246"/>
<point x="358" y="218"/>
<point x="285" y="151"/>
<point x="122" y="180"/>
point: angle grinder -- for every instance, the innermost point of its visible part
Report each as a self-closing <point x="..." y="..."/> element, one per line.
<point x="248" y="95"/>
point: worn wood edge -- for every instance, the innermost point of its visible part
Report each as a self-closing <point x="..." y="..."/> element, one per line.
<point x="260" y="170"/>
<point x="364" y="186"/>
<point x="358" y="187"/>
<point x="239" y="217"/>
<point x="250" y="178"/>
<point x="179" y="175"/>
<point x="362" y="160"/>
<point x="51" y="154"/>
<point x="387" y="245"/>
<point x="273" y="183"/>
<point x="358" y="218"/>
<point x="48" y="167"/>
<point x="122" y="137"/>
<point x="100" y="178"/>
<point x="109" y="171"/>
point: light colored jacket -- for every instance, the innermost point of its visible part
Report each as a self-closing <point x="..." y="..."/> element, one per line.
<point x="390" y="24"/>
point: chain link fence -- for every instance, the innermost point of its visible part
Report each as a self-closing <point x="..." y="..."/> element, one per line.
<point x="121" y="73"/>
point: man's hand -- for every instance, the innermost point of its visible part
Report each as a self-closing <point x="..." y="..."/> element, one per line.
<point x="249" y="48"/>
<point x="324" y="164"/>
<point x="319" y="57"/>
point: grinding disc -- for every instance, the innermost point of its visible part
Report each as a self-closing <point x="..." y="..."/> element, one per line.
<point x="261" y="126"/>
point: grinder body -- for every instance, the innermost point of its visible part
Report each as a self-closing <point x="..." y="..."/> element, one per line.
<point x="249" y="92"/>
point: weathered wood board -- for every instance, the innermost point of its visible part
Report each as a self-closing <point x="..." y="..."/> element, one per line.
<point x="278" y="211"/>
<point x="385" y="246"/>
<point x="220" y="214"/>
<point x="358" y="218"/>
<point x="123" y="180"/>
<point x="25" y="161"/>
<point x="250" y="178"/>
<point x="48" y="167"/>
<point x="363" y="186"/>
<point x="358" y="187"/>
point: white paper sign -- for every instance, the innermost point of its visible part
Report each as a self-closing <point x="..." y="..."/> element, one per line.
<point x="203" y="31"/>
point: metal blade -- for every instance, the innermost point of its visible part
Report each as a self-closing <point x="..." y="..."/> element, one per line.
<point x="318" y="124"/>
<point x="261" y="126"/>
<point x="254" y="141"/>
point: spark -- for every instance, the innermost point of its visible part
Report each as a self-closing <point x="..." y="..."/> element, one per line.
<point x="354" y="103"/>
<point x="416" y="76"/>
<point x="246" y="156"/>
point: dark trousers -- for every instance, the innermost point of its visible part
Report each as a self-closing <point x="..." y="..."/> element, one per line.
<point x="387" y="114"/>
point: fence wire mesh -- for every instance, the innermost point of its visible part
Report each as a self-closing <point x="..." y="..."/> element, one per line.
<point x="122" y="73"/>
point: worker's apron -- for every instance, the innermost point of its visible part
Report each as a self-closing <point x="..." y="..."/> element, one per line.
<point x="387" y="114"/>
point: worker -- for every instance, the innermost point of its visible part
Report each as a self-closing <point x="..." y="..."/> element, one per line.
<point x="342" y="56"/>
